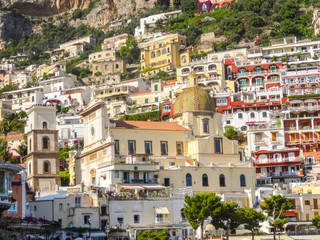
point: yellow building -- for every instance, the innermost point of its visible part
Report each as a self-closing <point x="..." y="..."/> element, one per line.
<point x="191" y="151"/>
<point x="163" y="54"/>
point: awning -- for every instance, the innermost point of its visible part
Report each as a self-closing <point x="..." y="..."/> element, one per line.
<point x="287" y="214"/>
<point x="154" y="187"/>
<point x="132" y="187"/>
<point x="162" y="210"/>
<point x="98" y="234"/>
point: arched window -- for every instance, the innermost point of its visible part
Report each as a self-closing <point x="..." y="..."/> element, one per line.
<point x="222" y="180"/>
<point x="252" y="115"/>
<point x="242" y="180"/>
<point x="188" y="180"/>
<point x="45" y="143"/>
<point x="30" y="144"/>
<point x="46" y="167"/>
<point x="205" y="180"/>
<point x="240" y="116"/>
<point x="44" y="125"/>
<point x="183" y="218"/>
<point x="184" y="59"/>
<point x="264" y="114"/>
<point x="204" y="7"/>
<point x="153" y="55"/>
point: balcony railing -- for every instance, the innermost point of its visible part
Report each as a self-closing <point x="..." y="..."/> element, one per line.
<point x="161" y="221"/>
<point x="272" y="160"/>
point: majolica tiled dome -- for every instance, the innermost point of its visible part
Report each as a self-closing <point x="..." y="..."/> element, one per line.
<point x="193" y="99"/>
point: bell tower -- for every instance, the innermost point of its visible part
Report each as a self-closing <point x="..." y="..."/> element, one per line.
<point x="42" y="160"/>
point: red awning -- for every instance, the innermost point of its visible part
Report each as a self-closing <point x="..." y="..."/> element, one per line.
<point x="288" y="214"/>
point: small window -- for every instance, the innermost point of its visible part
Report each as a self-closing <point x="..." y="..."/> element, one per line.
<point x="179" y="148"/>
<point x="240" y="116"/>
<point x="60" y="207"/>
<point x="164" y="147"/>
<point x="44" y="125"/>
<point x="46" y="167"/>
<point x="136" y="218"/>
<point x="167" y="182"/>
<point x="120" y="219"/>
<point x="252" y="115"/>
<point x="228" y="122"/>
<point x="218" y="145"/>
<point x="148" y="147"/>
<point x="156" y="87"/>
<point x="205" y="127"/>
<point x="307" y="202"/>
<point x="45" y="143"/>
<point x="116" y="146"/>
<point x="132" y="146"/>
<point x="156" y="99"/>
<point x="103" y="209"/>
<point x="264" y="114"/>
<point x="205" y="182"/>
<point x="242" y="180"/>
<point x="86" y="219"/>
<point x="188" y="180"/>
<point x="146" y="100"/>
<point x="222" y="180"/>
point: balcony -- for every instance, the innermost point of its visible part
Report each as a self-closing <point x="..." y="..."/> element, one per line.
<point x="242" y="74"/>
<point x="161" y="221"/>
<point x="279" y="160"/>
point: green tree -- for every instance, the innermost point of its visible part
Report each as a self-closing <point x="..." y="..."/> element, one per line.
<point x="193" y="33"/>
<point x="316" y="221"/>
<point x="163" y="3"/>
<point x="275" y="207"/>
<point x="153" y="235"/>
<point x="5" y="126"/>
<point x="198" y="208"/>
<point x="8" y="88"/>
<point x="22" y="150"/>
<point x="77" y="13"/>
<point x="189" y="5"/>
<point x="230" y="132"/>
<point x="22" y="114"/>
<point x="130" y="52"/>
<point x="177" y="3"/>
<point x="251" y="219"/>
<point x="227" y="217"/>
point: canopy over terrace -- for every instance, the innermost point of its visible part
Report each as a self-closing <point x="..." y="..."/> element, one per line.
<point x="138" y="191"/>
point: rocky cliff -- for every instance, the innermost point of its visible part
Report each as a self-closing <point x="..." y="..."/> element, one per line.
<point x="52" y="7"/>
<point x="12" y="26"/>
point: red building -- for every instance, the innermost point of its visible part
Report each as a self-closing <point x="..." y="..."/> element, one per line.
<point x="274" y="166"/>
<point x="254" y="75"/>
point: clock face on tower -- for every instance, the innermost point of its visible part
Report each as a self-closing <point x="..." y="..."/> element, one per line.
<point x="92" y="130"/>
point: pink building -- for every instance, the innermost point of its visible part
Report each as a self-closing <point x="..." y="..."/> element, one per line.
<point x="207" y="5"/>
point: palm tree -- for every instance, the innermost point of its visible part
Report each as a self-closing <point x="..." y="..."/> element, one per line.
<point x="5" y="127"/>
<point x="3" y="149"/>
<point x="22" y="150"/>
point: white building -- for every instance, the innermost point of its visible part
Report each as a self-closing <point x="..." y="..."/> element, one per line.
<point x="70" y="129"/>
<point x="24" y="98"/>
<point x="151" y="20"/>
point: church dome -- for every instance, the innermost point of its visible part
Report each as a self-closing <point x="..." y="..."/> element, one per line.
<point x="193" y="99"/>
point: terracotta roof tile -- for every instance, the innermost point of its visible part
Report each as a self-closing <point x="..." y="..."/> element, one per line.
<point x="171" y="126"/>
